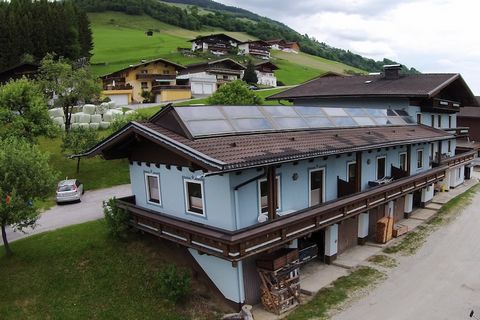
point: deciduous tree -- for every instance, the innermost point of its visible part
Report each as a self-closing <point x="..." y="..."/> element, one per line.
<point x="79" y="140"/>
<point x="234" y="93"/>
<point x="24" y="110"/>
<point x="67" y="85"/>
<point x="25" y="176"/>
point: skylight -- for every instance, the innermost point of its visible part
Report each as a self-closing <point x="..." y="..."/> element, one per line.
<point x="220" y="120"/>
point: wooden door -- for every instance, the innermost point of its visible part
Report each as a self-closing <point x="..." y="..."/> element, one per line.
<point x="251" y="281"/>
<point x="375" y="215"/>
<point x="399" y="209"/>
<point x="347" y="234"/>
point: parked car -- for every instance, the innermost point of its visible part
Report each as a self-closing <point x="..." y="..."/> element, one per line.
<point x="69" y="190"/>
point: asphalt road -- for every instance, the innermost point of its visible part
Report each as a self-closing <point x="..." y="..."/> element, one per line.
<point x="441" y="281"/>
<point x="73" y="213"/>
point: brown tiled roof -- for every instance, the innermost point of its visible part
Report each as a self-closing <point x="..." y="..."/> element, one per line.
<point x="417" y="85"/>
<point x="471" y="112"/>
<point x="235" y="152"/>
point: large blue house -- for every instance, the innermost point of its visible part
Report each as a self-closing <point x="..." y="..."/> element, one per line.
<point x="231" y="183"/>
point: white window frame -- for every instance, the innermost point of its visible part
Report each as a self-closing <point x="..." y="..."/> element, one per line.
<point x="185" y="190"/>
<point x="348" y="165"/>
<point x="147" y="189"/>
<point x="279" y="195"/>
<point x="400" y="160"/>
<point x="459" y="173"/>
<point x="384" y="169"/>
<point x="310" y="184"/>
<point x="423" y="164"/>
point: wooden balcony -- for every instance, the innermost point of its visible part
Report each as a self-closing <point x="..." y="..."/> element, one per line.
<point x="117" y="87"/>
<point x="459" y="132"/>
<point x="156" y="76"/>
<point x="159" y="88"/>
<point x="458" y="159"/>
<point x="237" y="245"/>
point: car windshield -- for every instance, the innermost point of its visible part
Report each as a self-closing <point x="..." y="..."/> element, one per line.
<point x="66" y="187"/>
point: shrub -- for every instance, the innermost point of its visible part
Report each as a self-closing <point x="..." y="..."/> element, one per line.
<point x="173" y="284"/>
<point x="280" y="83"/>
<point x="234" y="93"/>
<point x="121" y="121"/>
<point x="116" y="219"/>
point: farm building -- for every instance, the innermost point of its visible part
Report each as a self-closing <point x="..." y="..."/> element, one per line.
<point x="218" y="44"/>
<point x="251" y="190"/>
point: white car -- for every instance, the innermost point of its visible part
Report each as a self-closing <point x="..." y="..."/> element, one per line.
<point x="69" y="190"/>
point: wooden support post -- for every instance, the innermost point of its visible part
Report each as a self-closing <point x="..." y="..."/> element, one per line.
<point x="358" y="171"/>
<point x="409" y="159"/>
<point x="271" y="193"/>
<point x="439" y="151"/>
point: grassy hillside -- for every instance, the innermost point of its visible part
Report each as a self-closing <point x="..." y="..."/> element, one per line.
<point x="120" y="40"/>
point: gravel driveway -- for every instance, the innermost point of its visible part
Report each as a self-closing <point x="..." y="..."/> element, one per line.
<point x="73" y="213"/>
<point x="441" y="281"/>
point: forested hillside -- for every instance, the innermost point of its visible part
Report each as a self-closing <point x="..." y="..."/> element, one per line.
<point x="232" y="19"/>
<point x="29" y="30"/>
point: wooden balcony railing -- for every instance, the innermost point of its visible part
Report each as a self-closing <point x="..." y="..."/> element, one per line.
<point x="458" y="132"/>
<point x="155" y="76"/>
<point x="458" y="159"/>
<point x="237" y="245"/>
<point x="117" y="87"/>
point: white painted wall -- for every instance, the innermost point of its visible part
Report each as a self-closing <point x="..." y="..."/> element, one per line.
<point x="331" y="240"/>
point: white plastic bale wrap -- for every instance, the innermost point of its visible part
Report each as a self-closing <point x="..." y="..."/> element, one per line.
<point x="94" y="126"/>
<point x="74" y="126"/>
<point x="102" y="108"/>
<point x="112" y="114"/>
<point x="84" y="125"/>
<point x="56" y="112"/>
<point x="59" y="121"/>
<point x="74" y="118"/>
<point x="95" y="118"/>
<point x="130" y="112"/>
<point x="111" y="105"/>
<point x="83" y="118"/>
<point x="88" y="109"/>
<point x="104" y="125"/>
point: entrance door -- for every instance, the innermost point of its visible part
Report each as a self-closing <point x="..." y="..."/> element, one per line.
<point x="317" y="187"/>
<point x="375" y="215"/>
<point x="399" y="209"/>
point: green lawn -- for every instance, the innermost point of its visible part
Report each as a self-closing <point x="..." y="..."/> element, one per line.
<point x="95" y="173"/>
<point x="79" y="273"/>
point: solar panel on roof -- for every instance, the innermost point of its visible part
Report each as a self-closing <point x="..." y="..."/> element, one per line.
<point x="220" y="120"/>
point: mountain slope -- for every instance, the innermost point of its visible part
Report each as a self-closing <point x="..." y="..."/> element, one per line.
<point x="196" y="14"/>
<point x="120" y="40"/>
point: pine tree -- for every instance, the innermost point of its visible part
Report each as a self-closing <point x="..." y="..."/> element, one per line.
<point x="250" y="76"/>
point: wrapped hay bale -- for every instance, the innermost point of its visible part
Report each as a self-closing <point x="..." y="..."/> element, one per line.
<point x="107" y="117"/>
<point x="59" y="120"/>
<point x="102" y="108"/>
<point x="95" y="118"/>
<point x="111" y="105"/>
<point x="112" y="114"/>
<point x="94" y="126"/>
<point x="104" y="125"/>
<point x="130" y="112"/>
<point x="84" y="125"/>
<point x="74" y="126"/>
<point x="83" y="118"/>
<point x="56" y="112"/>
<point x="74" y="118"/>
<point x="62" y="127"/>
<point x="89" y="109"/>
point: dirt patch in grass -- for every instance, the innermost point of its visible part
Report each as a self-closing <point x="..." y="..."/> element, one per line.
<point x="449" y="211"/>
<point x="383" y="261"/>
<point x="338" y="293"/>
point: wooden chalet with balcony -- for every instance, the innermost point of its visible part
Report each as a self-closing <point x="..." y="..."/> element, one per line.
<point x="206" y="77"/>
<point x="234" y="185"/>
<point x="158" y="77"/>
<point x="255" y="48"/>
<point x="218" y="44"/>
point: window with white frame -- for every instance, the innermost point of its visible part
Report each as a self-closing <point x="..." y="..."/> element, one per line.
<point x="381" y="167"/>
<point x="263" y="194"/>
<point x="152" y="184"/>
<point x="459" y="173"/>
<point x="403" y="161"/>
<point x="317" y="186"/>
<point x="419" y="158"/>
<point x="194" y="197"/>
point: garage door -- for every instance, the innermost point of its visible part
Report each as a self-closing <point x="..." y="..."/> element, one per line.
<point x="119" y="99"/>
<point x="202" y="88"/>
